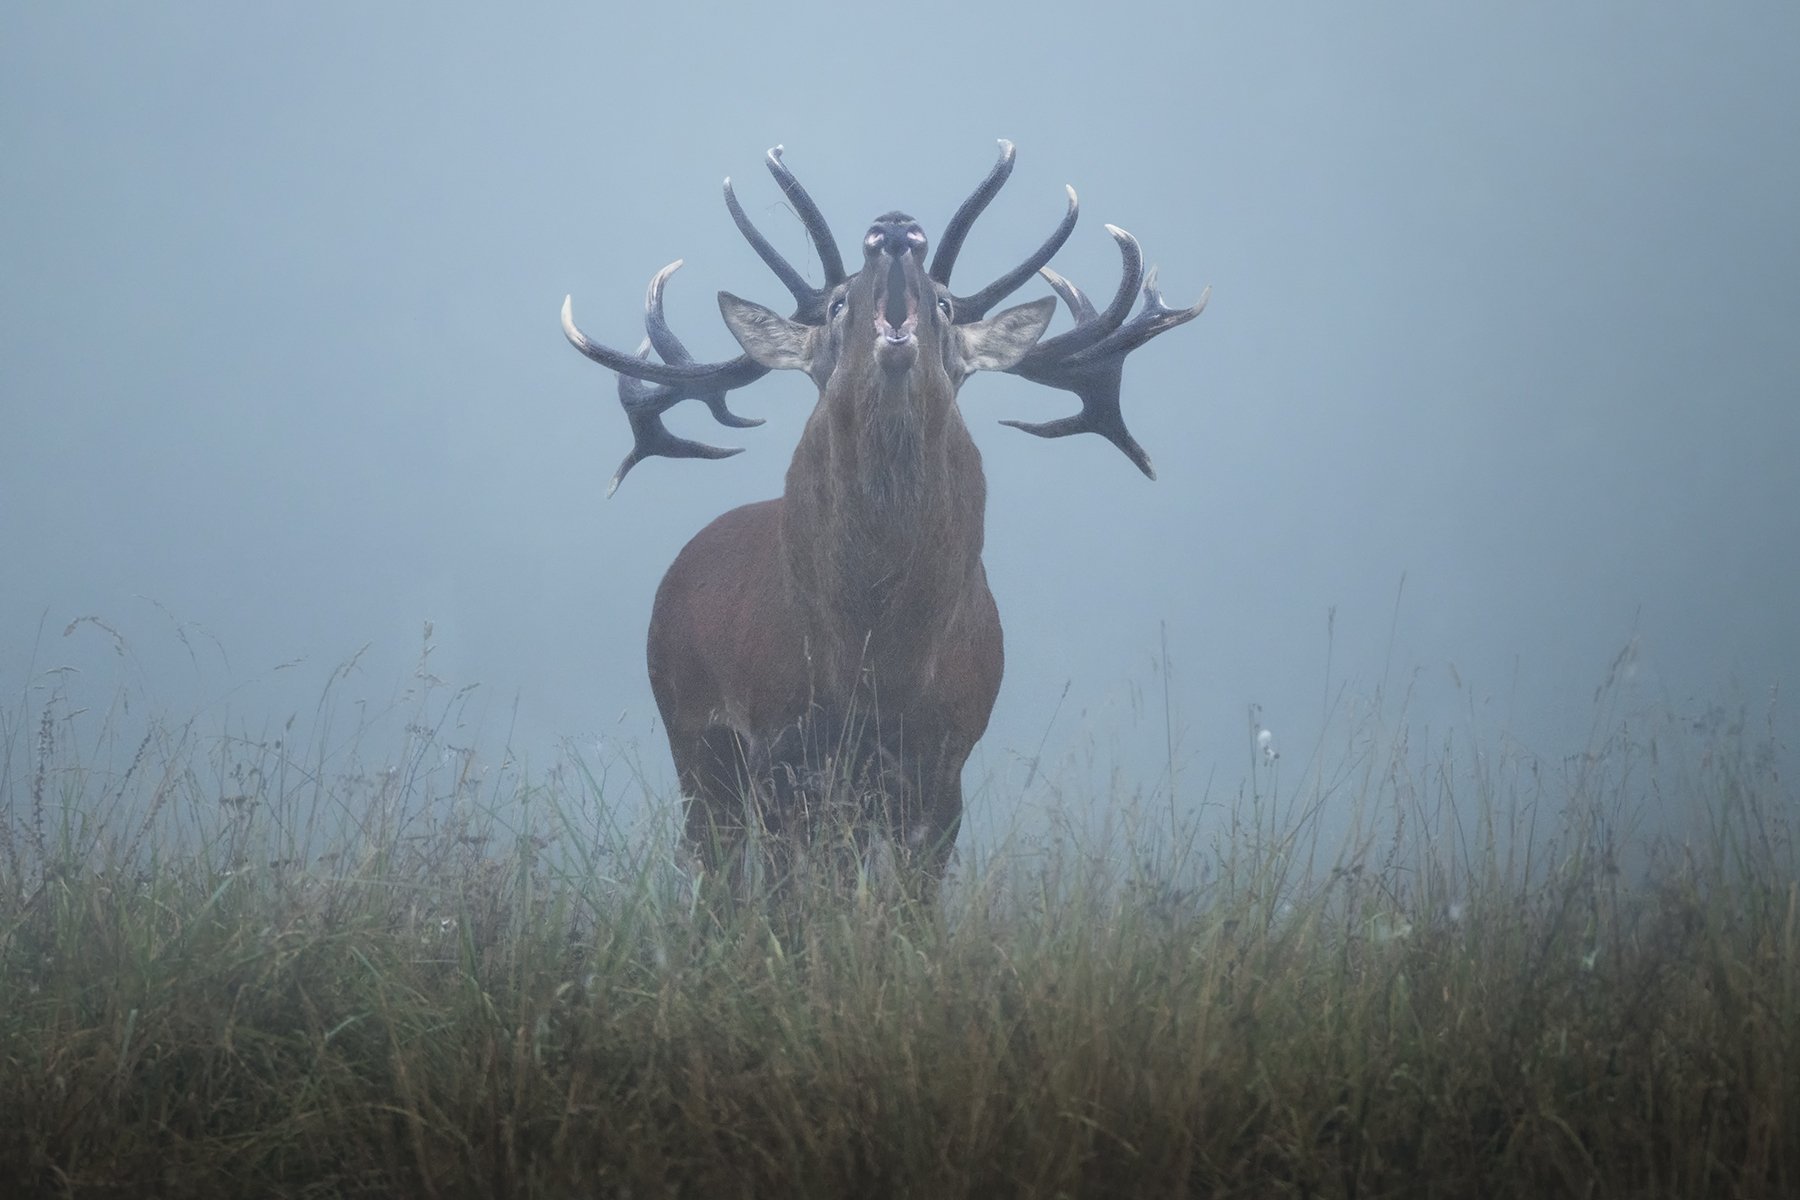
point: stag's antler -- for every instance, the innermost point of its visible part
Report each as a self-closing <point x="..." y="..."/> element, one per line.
<point x="1089" y="359"/>
<point x="645" y="402"/>
<point x="648" y="389"/>
<point x="810" y="301"/>
<point x="977" y="306"/>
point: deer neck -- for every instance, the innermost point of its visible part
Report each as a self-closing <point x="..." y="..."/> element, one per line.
<point x="882" y="530"/>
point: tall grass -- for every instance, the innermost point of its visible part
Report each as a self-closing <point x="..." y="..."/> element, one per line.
<point x="245" y="967"/>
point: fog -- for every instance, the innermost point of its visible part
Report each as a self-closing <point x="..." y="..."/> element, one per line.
<point x="1496" y="382"/>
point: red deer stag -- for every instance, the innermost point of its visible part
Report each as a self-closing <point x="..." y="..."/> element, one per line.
<point x="843" y="635"/>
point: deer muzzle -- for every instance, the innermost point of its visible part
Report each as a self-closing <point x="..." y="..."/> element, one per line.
<point x="897" y="320"/>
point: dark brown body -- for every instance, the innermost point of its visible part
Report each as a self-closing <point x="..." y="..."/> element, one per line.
<point x="843" y="636"/>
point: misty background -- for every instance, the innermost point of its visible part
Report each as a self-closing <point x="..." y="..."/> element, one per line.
<point x="1495" y="392"/>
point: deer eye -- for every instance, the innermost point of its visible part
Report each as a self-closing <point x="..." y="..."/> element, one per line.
<point x="944" y="305"/>
<point x="837" y="306"/>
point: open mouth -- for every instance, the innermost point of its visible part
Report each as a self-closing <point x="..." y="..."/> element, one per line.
<point x="897" y="320"/>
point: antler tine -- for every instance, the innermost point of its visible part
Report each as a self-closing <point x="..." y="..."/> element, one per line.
<point x="1089" y="360"/>
<point x="644" y="404"/>
<point x="687" y="378"/>
<point x="810" y="216"/>
<point x="976" y="306"/>
<point x="810" y="301"/>
<point x="944" y="261"/>
<point x="1156" y="317"/>
<point x="1080" y="307"/>
<point x="1096" y="326"/>
<point x="672" y="350"/>
<point x="1099" y="416"/>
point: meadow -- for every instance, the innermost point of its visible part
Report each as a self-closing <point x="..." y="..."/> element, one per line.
<point x="259" y="965"/>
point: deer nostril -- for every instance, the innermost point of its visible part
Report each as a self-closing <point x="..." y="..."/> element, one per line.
<point x="894" y="234"/>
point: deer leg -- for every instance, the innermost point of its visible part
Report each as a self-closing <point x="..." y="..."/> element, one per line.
<point x="930" y="820"/>
<point x="714" y="768"/>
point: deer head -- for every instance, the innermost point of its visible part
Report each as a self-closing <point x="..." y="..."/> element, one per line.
<point x="909" y="339"/>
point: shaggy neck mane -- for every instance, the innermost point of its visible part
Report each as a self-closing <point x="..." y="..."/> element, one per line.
<point x="881" y="526"/>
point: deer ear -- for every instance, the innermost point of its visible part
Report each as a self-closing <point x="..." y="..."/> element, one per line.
<point x="769" y="338"/>
<point x="999" y="342"/>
